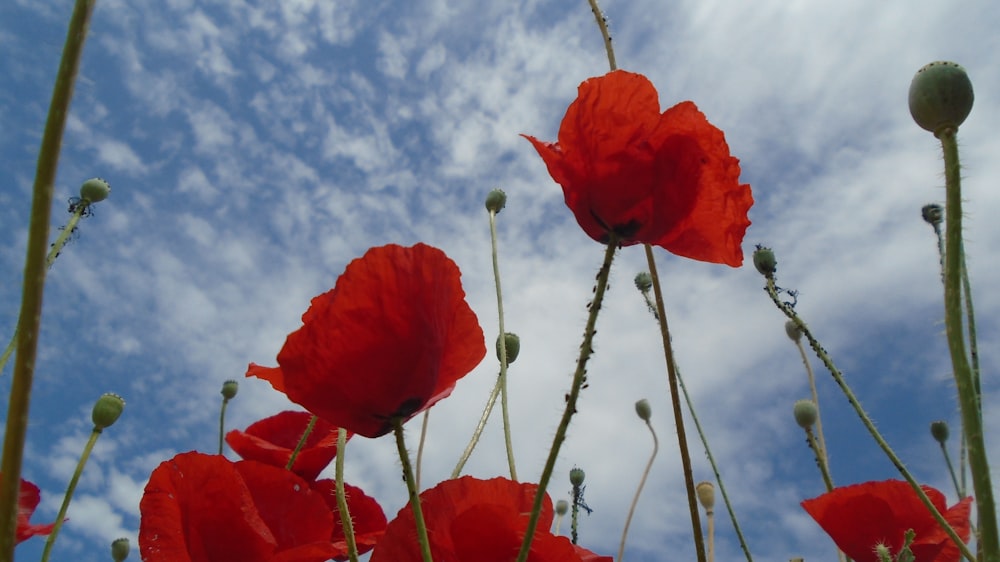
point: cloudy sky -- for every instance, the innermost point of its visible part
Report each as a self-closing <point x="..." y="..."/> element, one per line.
<point x="255" y="148"/>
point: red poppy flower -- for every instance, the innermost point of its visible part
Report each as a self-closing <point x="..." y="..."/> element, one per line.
<point x="204" y="508"/>
<point x="665" y="179"/>
<point x="367" y="516"/>
<point x="861" y="516"/>
<point x="27" y="500"/>
<point x="472" y="520"/>
<point x="272" y="440"/>
<point x="388" y="341"/>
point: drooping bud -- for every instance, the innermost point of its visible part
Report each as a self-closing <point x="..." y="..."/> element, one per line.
<point x="119" y="549"/>
<point x="764" y="261"/>
<point x="793" y="330"/>
<point x="643" y="410"/>
<point x="940" y="96"/>
<point x="513" y="344"/>
<point x="939" y="430"/>
<point x="576" y="476"/>
<point x="805" y="412"/>
<point x="496" y="200"/>
<point x="643" y="281"/>
<point x="562" y="506"/>
<point x="107" y="410"/>
<point x="94" y="190"/>
<point x="229" y="389"/>
<point x="933" y="214"/>
<point x="706" y="494"/>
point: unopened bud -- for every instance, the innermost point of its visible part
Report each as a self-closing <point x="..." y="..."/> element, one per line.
<point x="939" y="430"/>
<point x="643" y="281"/>
<point x="119" y="549"/>
<point x="94" y="190"/>
<point x="706" y="494"/>
<point x="805" y="412"/>
<point x="562" y="506"/>
<point x="513" y="344"/>
<point x="933" y="214"/>
<point x="642" y="408"/>
<point x="496" y="200"/>
<point x="940" y="96"/>
<point x="576" y="476"/>
<point x="793" y="330"/>
<point x="107" y="410"/>
<point x="764" y="261"/>
<point x="229" y="389"/>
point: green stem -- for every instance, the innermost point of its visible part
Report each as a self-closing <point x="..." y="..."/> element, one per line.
<point x="602" y="23"/>
<point x="69" y="493"/>
<point x="868" y="423"/>
<point x="301" y="443"/>
<point x="972" y="423"/>
<point x="668" y="351"/>
<point x="478" y="431"/>
<point x="503" y="351"/>
<point x="638" y="492"/>
<point x="30" y="316"/>
<point x="579" y="377"/>
<point x="824" y="470"/>
<point x="951" y="470"/>
<point x="420" y="444"/>
<point x="411" y="486"/>
<point x="222" y="422"/>
<point x="820" y="439"/>
<point x="345" y="513"/>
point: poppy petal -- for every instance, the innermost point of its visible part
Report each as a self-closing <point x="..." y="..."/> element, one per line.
<point x="367" y="517"/>
<point x="272" y="441"/>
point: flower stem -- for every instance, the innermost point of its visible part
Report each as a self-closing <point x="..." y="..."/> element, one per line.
<point x="602" y="23"/>
<point x="502" y="382"/>
<point x="951" y="470"/>
<point x="478" y="431"/>
<point x="668" y="351"/>
<point x="69" y="493"/>
<point x="972" y="423"/>
<point x="411" y="485"/>
<point x="345" y="513"/>
<point x="824" y="470"/>
<point x="820" y="439"/>
<point x="222" y="421"/>
<point x="30" y="315"/>
<point x="579" y="377"/>
<point x="420" y="444"/>
<point x="638" y="492"/>
<point x="301" y="443"/>
<point x="869" y="425"/>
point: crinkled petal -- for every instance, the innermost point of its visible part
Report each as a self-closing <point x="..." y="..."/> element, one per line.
<point x="272" y="441"/>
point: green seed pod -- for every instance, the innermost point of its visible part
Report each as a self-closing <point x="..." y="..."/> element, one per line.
<point x="643" y="410"/>
<point x="764" y="261"/>
<point x="706" y="494"/>
<point x="496" y="200"/>
<point x="933" y="214"/>
<point x="107" y="410"/>
<point x="940" y="96"/>
<point x="576" y="476"/>
<point x="793" y="331"/>
<point x="643" y="281"/>
<point x="562" y="506"/>
<point x="229" y="389"/>
<point x="805" y="412"/>
<point x="119" y="549"/>
<point x="513" y="344"/>
<point x="94" y="190"/>
<point x="939" y="430"/>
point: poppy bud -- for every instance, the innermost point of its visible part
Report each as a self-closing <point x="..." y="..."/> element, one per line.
<point x="932" y="213"/>
<point x="805" y="412"/>
<point x="764" y="261"/>
<point x="229" y="389"/>
<point x="940" y="96"/>
<point x="793" y="331"/>
<point x="94" y="190"/>
<point x="939" y="430"/>
<point x="119" y="549"/>
<point x="706" y="494"/>
<point x="562" y="506"/>
<point x="642" y="408"/>
<point x="643" y="281"/>
<point x="513" y="344"/>
<point x="496" y="200"/>
<point x="107" y="409"/>
<point x="576" y="476"/>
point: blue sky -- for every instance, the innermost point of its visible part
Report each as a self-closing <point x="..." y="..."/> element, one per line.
<point x="254" y="148"/>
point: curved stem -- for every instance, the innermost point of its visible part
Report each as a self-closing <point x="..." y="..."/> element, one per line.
<point x="503" y="351"/>
<point x="69" y="493"/>
<point x="345" y="513"/>
<point x="668" y="351"/>
<point x="972" y="423"/>
<point x="638" y="492"/>
<point x="602" y="23"/>
<point x="411" y="486"/>
<point x="824" y="470"/>
<point x="420" y="445"/>
<point x="478" y="431"/>
<point x="868" y="423"/>
<point x="821" y="440"/>
<point x="30" y="316"/>
<point x="579" y="377"/>
<point x="301" y="443"/>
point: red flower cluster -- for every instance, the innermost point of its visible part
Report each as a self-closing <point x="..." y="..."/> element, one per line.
<point x="388" y="341"/>
<point x="27" y="500"/>
<point x="272" y="440"/>
<point x="471" y="520"/>
<point x="861" y="516"/>
<point x="665" y="179"/>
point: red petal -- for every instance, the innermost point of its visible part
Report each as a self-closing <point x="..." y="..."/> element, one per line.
<point x="272" y="375"/>
<point x="272" y="441"/>
<point x="27" y="500"/>
<point x="367" y="517"/>
<point x="392" y="338"/>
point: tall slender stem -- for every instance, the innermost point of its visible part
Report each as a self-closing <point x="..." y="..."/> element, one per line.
<point x="602" y="23"/>
<point x="579" y="377"/>
<point x="638" y="492"/>
<point x="420" y="445"/>
<point x="478" y="431"/>
<point x="69" y="493"/>
<point x="345" y="513"/>
<point x="972" y="423"/>
<point x="503" y="351"/>
<point x="675" y="400"/>
<point x="411" y="486"/>
<point x="820" y="439"/>
<point x="302" y="442"/>
<point x="30" y="316"/>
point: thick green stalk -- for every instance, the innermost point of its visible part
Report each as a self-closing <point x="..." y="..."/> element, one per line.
<point x="579" y="377"/>
<point x="972" y="423"/>
<point x="30" y="316"/>
<point x="345" y="513"/>
<point x="69" y="493"/>
<point x="411" y="486"/>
